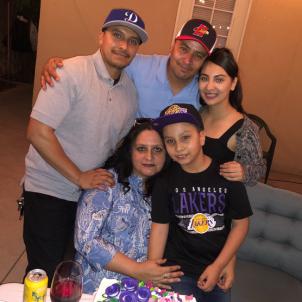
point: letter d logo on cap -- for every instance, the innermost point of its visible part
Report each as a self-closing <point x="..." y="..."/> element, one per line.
<point x="131" y="17"/>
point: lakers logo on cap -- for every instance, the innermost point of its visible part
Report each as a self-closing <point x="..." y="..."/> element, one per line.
<point x="175" y="109"/>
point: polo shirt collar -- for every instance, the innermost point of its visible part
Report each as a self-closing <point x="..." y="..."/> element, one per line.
<point x="162" y="74"/>
<point x="101" y="68"/>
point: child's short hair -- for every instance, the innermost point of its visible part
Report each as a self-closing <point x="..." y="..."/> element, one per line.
<point x="178" y="113"/>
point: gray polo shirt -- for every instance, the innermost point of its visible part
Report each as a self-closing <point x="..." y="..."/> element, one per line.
<point x="89" y="114"/>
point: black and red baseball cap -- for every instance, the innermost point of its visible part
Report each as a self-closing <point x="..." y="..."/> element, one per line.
<point x="200" y="31"/>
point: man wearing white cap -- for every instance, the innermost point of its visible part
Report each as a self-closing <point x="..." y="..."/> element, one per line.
<point x="73" y="129"/>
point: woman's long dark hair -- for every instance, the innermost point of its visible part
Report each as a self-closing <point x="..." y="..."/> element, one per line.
<point x="224" y="58"/>
<point x="121" y="160"/>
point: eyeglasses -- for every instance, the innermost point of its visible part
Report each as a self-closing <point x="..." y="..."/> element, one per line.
<point x="118" y="36"/>
<point x="142" y="120"/>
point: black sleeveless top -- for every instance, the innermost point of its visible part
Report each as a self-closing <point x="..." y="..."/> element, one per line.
<point x="217" y="148"/>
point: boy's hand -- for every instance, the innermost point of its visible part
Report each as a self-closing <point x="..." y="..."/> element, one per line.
<point x="226" y="280"/>
<point x="227" y="276"/>
<point x="209" y="278"/>
<point x="49" y="71"/>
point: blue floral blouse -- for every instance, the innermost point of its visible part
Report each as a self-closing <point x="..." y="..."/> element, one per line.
<point x="109" y="222"/>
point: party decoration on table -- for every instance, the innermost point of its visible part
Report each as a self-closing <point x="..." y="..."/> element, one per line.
<point x="132" y="290"/>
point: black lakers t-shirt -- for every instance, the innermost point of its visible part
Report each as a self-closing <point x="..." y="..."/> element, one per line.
<point x="200" y="208"/>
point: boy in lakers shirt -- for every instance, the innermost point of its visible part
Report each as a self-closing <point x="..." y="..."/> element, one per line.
<point x="199" y="219"/>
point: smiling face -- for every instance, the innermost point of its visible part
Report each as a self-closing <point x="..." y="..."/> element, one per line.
<point x="118" y="46"/>
<point x="215" y="84"/>
<point x="184" y="143"/>
<point x="148" y="154"/>
<point x="186" y="59"/>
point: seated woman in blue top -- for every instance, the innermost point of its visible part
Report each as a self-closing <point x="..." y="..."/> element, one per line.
<point x="231" y="137"/>
<point x="112" y="227"/>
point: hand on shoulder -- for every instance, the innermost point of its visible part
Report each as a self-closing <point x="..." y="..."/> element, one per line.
<point x="49" y="73"/>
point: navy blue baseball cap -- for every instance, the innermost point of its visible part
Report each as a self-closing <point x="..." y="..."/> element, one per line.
<point x="178" y="113"/>
<point x="128" y="18"/>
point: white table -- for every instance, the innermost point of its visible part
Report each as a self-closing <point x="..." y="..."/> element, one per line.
<point x="13" y="292"/>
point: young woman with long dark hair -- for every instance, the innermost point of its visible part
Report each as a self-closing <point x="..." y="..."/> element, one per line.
<point x="231" y="137"/>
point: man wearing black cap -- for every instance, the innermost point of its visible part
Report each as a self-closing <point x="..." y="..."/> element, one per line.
<point x="73" y="129"/>
<point x="163" y="80"/>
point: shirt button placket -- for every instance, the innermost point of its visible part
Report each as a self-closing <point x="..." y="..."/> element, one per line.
<point x="109" y="97"/>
